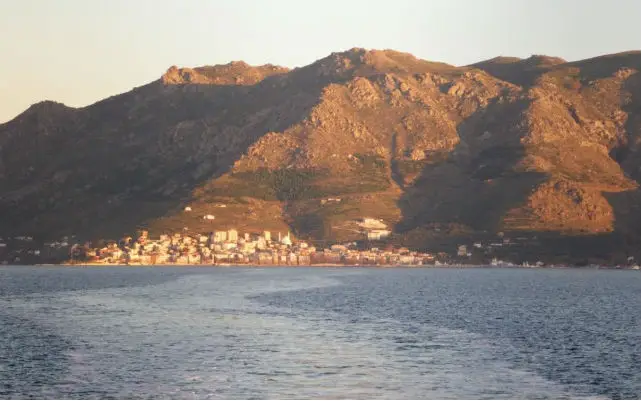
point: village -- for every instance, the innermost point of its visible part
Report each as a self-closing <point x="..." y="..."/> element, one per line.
<point x="230" y="247"/>
<point x="219" y="247"/>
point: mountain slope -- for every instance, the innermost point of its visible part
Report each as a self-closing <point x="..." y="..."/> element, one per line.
<point x="538" y="148"/>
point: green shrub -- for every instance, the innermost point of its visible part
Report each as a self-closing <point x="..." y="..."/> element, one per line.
<point x="282" y="184"/>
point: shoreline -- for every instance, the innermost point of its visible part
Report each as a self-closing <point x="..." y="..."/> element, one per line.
<point x="329" y="265"/>
<point x="233" y="265"/>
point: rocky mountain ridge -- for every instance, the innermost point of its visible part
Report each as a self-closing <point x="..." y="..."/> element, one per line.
<point x="537" y="148"/>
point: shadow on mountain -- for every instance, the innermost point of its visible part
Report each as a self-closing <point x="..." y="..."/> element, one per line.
<point x="520" y="72"/>
<point x="525" y="72"/>
<point x="138" y="156"/>
<point x="627" y="204"/>
<point x="468" y="196"/>
<point x="478" y="182"/>
<point x="607" y="66"/>
<point x="108" y="168"/>
<point x="614" y="247"/>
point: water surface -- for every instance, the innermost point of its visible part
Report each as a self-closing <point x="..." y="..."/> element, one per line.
<point x="109" y="332"/>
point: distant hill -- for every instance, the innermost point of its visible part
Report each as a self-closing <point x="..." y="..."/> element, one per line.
<point x="537" y="148"/>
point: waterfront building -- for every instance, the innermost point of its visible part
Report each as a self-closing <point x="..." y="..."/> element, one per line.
<point x="232" y="235"/>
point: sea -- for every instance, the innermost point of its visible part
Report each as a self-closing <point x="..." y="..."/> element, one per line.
<point x="319" y="333"/>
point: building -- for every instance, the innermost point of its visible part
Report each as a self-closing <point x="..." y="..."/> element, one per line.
<point x="286" y="240"/>
<point x="375" y="235"/>
<point x="267" y="235"/>
<point x="232" y="235"/>
<point x="230" y="245"/>
<point x="220" y="236"/>
<point x="462" y="250"/>
<point x="407" y="260"/>
<point x="265" y="258"/>
<point x="372" y="224"/>
<point x="338" y="248"/>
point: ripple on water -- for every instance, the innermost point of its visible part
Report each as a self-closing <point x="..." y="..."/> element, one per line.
<point x="207" y="336"/>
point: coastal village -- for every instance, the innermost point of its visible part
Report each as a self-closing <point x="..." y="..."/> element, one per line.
<point x="218" y="248"/>
<point x="230" y="247"/>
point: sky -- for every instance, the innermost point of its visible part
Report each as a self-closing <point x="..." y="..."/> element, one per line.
<point x="80" y="51"/>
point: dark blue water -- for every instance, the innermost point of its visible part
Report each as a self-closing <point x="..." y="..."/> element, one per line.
<point x="319" y="333"/>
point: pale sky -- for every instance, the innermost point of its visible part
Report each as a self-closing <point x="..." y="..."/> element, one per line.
<point x="80" y="51"/>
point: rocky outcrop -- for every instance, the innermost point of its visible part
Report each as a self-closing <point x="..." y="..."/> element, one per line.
<point x="234" y="73"/>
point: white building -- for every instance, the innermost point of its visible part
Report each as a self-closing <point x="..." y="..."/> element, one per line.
<point x="372" y="224"/>
<point x="232" y="235"/>
<point x="375" y="235"/>
<point x="220" y="236"/>
<point x="286" y="240"/>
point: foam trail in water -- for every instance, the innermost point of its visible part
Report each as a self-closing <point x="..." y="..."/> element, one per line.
<point x="201" y="337"/>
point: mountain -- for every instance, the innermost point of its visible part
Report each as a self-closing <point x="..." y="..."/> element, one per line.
<point x="539" y="149"/>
